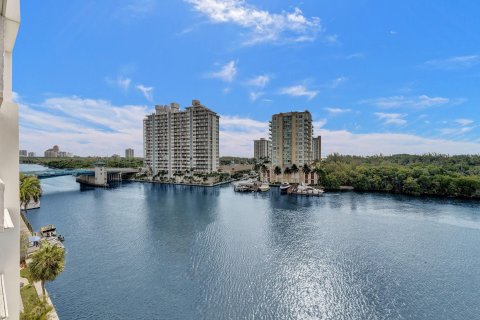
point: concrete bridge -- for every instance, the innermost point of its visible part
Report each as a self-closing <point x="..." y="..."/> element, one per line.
<point x="102" y="176"/>
<point x="52" y="173"/>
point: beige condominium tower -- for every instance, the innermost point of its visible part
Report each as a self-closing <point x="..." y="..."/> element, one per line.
<point x="291" y="136"/>
<point x="181" y="141"/>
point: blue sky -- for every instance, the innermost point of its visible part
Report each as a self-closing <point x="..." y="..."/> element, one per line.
<point x="378" y="76"/>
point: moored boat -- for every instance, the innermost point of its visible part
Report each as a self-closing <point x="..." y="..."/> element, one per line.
<point x="303" y="189"/>
<point x="264" y="187"/>
<point x="284" y="187"/>
<point x="49" y="234"/>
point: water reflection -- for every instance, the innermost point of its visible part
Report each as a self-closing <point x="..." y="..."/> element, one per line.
<point x="178" y="252"/>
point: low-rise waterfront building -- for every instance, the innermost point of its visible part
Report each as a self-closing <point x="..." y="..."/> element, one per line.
<point x="9" y="168"/>
<point x="262" y="149"/>
<point x="178" y="141"/>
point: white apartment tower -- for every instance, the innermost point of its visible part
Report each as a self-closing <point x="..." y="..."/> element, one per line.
<point x="9" y="168"/>
<point x="181" y="141"/>
<point x="262" y="149"/>
<point x="291" y="135"/>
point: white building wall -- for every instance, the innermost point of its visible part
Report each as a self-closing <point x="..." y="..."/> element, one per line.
<point x="9" y="163"/>
<point x="177" y="140"/>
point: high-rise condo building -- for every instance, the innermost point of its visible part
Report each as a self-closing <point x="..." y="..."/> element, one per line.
<point x="9" y="168"/>
<point x="129" y="153"/>
<point x="317" y="148"/>
<point x="181" y="141"/>
<point x="23" y="153"/>
<point x="291" y="135"/>
<point x="31" y="154"/>
<point x="262" y="149"/>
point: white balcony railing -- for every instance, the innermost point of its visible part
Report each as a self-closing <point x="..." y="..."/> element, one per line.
<point x="3" y="299"/>
<point x="5" y="219"/>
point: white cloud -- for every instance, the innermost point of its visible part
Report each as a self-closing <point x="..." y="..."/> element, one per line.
<point x="453" y="132"/>
<point x="421" y="101"/>
<point x="146" y="91"/>
<point x="254" y="95"/>
<point x="392" y="118"/>
<point x="299" y="91"/>
<point x="358" y="55"/>
<point x="81" y="126"/>
<point x="121" y="82"/>
<point x="262" y="25"/>
<point x="135" y="9"/>
<point x="237" y="137"/>
<point x="337" y="82"/>
<point x="260" y="81"/>
<point x="452" y="63"/>
<point x="464" y="122"/>
<point x="336" y="111"/>
<point x="226" y="73"/>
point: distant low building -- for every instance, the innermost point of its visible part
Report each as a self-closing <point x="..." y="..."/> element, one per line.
<point x="31" y="154"/>
<point x="64" y="154"/>
<point x="129" y="153"/>
<point x="52" y="153"/>
<point x="56" y="153"/>
<point x="23" y="153"/>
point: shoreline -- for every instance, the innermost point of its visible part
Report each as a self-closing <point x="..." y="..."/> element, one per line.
<point x="185" y="184"/>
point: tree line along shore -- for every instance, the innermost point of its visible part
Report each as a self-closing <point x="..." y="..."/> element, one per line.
<point x="418" y="175"/>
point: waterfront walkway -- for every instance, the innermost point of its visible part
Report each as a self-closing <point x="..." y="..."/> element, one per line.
<point x="52" y="315"/>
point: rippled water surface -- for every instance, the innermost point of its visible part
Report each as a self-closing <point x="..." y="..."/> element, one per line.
<point x="143" y="251"/>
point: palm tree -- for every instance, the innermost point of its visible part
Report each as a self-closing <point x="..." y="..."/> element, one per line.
<point x="30" y="189"/>
<point x="277" y="171"/>
<point x="320" y="171"/>
<point x="287" y="171"/>
<point x="264" y="170"/>
<point x="47" y="263"/>
<point x="306" y="170"/>
<point x="294" y="171"/>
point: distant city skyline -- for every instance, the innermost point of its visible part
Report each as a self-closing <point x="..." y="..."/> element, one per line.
<point x="402" y="78"/>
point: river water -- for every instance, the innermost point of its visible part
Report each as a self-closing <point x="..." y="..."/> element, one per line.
<point x="145" y="251"/>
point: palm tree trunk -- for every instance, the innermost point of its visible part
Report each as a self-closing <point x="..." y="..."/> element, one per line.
<point x="43" y="291"/>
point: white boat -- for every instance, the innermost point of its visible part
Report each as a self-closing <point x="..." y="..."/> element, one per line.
<point x="284" y="187"/>
<point x="244" y="185"/>
<point x="264" y="187"/>
<point x="303" y="189"/>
